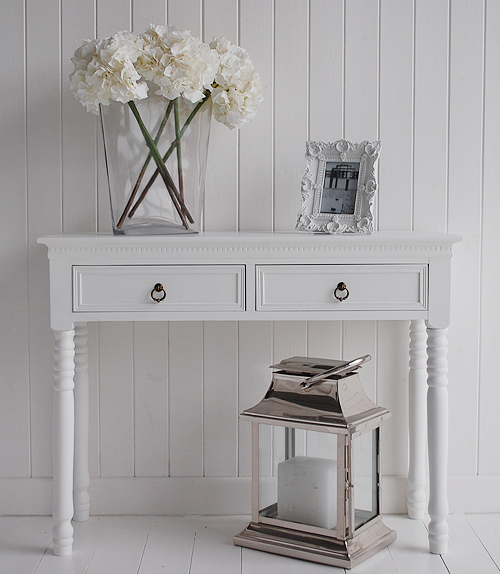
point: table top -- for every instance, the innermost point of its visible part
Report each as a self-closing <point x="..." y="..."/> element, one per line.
<point x="435" y="243"/>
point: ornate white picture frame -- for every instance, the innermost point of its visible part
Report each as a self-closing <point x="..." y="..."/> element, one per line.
<point x="338" y="187"/>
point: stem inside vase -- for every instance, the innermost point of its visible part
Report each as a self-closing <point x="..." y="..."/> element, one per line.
<point x="162" y="168"/>
<point x="144" y="167"/>
<point x="173" y="146"/>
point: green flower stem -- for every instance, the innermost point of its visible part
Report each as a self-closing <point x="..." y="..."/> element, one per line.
<point x="168" y="154"/>
<point x="144" y="167"/>
<point x="178" y="144"/>
<point x="167" y="179"/>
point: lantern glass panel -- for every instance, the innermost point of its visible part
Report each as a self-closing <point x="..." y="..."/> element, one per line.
<point x="365" y="477"/>
<point x="298" y="475"/>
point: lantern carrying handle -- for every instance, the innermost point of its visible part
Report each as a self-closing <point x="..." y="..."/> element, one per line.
<point x="338" y="370"/>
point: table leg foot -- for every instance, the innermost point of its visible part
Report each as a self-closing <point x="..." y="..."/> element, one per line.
<point x="438" y="536"/>
<point x="62" y="538"/>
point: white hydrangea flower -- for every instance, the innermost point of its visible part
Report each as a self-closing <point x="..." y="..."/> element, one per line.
<point x="119" y="50"/>
<point x="105" y="72"/>
<point x="178" y="63"/>
<point x="238" y="89"/>
<point x="153" y="47"/>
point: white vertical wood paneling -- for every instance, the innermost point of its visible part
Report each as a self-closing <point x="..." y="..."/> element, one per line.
<point x="290" y="338"/>
<point x="151" y="399"/>
<point x="324" y="339"/>
<point x="185" y="368"/>
<point x="43" y="105"/>
<point x="326" y="70"/>
<point x="112" y="16"/>
<point x="361" y="69"/>
<point x="290" y="107"/>
<point x="395" y="193"/>
<point x="489" y="460"/>
<point x="116" y="399"/>
<point x="464" y="205"/>
<point x="146" y="12"/>
<point x="165" y="398"/>
<point x="78" y="127"/>
<point x="14" y="356"/>
<point x="431" y="114"/>
<point x="186" y="15"/>
<point x="256" y="209"/>
<point x="220" y="398"/>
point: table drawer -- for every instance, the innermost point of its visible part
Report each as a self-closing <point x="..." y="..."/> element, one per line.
<point x="186" y="288"/>
<point x="368" y="287"/>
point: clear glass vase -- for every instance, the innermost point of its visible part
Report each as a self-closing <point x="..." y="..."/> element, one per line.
<point x="146" y="199"/>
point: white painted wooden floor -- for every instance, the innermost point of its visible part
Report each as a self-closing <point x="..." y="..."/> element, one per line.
<point x="203" y="545"/>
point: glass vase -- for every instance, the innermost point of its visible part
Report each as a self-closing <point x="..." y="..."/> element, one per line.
<point x="148" y="198"/>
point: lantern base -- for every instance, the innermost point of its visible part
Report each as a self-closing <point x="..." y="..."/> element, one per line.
<point x="314" y="547"/>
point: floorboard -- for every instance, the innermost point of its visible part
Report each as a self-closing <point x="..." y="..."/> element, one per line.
<point x="203" y="545"/>
<point x="487" y="529"/>
<point x="121" y="545"/>
<point x="169" y="549"/>
<point x="23" y="542"/>
<point x="466" y="553"/>
<point x="214" y="551"/>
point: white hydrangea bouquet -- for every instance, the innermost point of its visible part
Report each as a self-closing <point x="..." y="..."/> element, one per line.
<point x="183" y="73"/>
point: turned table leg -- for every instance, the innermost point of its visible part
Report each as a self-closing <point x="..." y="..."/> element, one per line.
<point x="437" y="424"/>
<point x="81" y="465"/>
<point x="417" y="418"/>
<point x="64" y="369"/>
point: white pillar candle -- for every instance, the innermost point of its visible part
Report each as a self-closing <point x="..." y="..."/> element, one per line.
<point x="307" y="491"/>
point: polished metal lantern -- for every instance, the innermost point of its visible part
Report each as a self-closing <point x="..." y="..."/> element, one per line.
<point x="316" y="465"/>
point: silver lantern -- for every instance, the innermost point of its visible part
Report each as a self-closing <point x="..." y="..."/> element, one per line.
<point x="316" y="465"/>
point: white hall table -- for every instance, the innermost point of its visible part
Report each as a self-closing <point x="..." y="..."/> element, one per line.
<point x="243" y="276"/>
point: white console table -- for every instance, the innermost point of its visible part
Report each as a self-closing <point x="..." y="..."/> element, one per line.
<point x="245" y="277"/>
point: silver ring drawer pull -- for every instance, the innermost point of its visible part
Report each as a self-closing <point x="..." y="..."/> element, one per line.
<point x="341" y="288"/>
<point x="158" y="289"/>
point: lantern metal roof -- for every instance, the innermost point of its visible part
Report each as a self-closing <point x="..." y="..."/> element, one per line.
<point x="307" y="391"/>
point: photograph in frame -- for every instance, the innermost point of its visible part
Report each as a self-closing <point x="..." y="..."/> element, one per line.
<point x="338" y="187"/>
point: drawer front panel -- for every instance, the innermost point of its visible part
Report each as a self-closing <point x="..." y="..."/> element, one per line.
<point x="369" y="287"/>
<point x="187" y="288"/>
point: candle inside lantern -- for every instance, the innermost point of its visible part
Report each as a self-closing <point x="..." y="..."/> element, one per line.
<point x="307" y="491"/>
